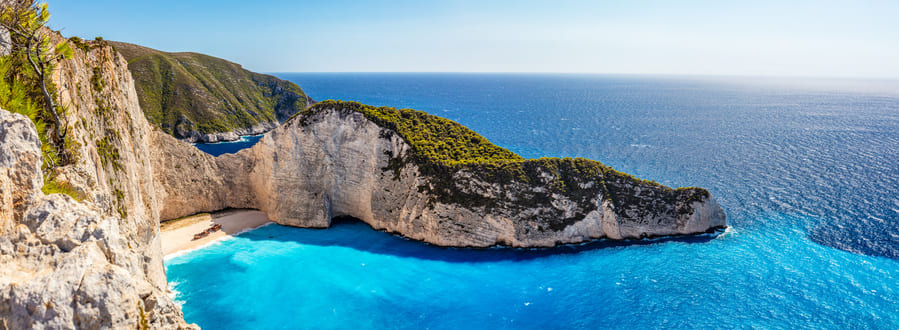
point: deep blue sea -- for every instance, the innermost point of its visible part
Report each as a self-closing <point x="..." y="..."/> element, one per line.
<point x="230" y="147"/>
<point x="807" y="171"/>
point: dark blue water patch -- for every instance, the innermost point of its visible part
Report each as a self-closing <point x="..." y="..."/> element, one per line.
<point x="390" y="244"/>
<point x="823" y="148"/>
<point x="229" y="147"/>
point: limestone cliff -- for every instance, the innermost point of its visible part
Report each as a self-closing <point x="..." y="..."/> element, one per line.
<point x="335" y="161"/>
<point x="94" y="263"/>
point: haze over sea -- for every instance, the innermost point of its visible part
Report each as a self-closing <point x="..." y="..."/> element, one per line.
<point x="805" y="169"/>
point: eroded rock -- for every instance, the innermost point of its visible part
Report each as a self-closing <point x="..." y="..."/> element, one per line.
<point x="336" y="162"/>
<point x="20" y="167"/>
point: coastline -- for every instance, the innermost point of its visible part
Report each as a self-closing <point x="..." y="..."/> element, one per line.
<point x="177" y="235"/>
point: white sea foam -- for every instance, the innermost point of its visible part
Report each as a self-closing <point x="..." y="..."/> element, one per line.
<point x="173" y="294"/>
<point x="727" y="232"/>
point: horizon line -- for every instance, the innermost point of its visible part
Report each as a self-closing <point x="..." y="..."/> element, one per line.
<point x="708" y="75"/>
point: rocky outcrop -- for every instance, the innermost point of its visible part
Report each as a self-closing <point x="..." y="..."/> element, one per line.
<point x="191" y="181"/>
<point x="97" y="262"/>
<point x="20" y="167"/>
<point x="64" y="265"/>
<point x="336" y="162"/>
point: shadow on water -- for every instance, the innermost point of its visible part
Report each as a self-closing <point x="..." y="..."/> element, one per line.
<point x="352" y="233"/>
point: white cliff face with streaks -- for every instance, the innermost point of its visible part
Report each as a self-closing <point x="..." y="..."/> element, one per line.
<point x="64" y="264"/>
<point x="333" y="163"/>
<point x="97" y="263"/>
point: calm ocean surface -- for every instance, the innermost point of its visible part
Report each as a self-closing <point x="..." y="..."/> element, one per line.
<point x="807" y="171"/>
<point x="220" y="148"/>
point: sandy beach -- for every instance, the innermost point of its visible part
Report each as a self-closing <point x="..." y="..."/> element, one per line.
<point x="177" y="235"/>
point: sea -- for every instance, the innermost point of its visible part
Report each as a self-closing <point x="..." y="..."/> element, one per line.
<point x="807" y="171"/>
<point x="229" y="147"/>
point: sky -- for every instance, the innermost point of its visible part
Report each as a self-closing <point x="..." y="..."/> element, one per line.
<point x="819" y="38"/>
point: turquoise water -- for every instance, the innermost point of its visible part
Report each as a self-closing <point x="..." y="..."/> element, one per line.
<point x="351" y="277"/>
<point x="805" y="170"/>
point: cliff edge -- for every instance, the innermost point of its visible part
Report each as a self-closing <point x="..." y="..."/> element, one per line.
<point x="90" y="258"/>
<point x="426" y="178"/>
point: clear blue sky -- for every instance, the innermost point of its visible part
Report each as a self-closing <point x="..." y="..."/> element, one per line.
<point x="768" y="38"/>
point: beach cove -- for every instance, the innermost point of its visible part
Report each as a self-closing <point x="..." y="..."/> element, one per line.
<point x="177" y="235"/>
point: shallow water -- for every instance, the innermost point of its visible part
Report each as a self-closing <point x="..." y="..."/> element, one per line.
<point x="806" y="171"/>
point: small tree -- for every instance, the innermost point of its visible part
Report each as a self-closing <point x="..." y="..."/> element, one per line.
<point x="30" y="44"/>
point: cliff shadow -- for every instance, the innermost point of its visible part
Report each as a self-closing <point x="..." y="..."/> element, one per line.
<point x="352" y="233"/>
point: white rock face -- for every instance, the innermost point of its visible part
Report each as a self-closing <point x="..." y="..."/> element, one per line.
<point x="67" y="267"/>
<point x="96" y="263"/>
<point x="20" y="167"/>
<point x="64" y="265"/>
<point x="335" y="164"/>
<point x="5" y="41"/>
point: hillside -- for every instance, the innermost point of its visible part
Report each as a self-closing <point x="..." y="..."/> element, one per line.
<point x="202" y="98"/>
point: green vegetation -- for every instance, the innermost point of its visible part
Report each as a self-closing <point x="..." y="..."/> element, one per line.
<point x="453" y="155"/>
<point x="80" y="44"/>
<point x="25" y="87"/>
<point x="55" y="187"/>
<point x="120" y="202"/>
<point x="97" y="81"/>
<point x="183" y="92"/>
<point x="434" y="139"/>
<point x="108" y="152"/>
<point x="87" y="46"/>
<point x="34" y="57"/>
<point x="144" y="324"/>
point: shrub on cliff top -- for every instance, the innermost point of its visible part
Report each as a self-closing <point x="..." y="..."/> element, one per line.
<point x="433" y="138"/>
<point x="441" y="148"/>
